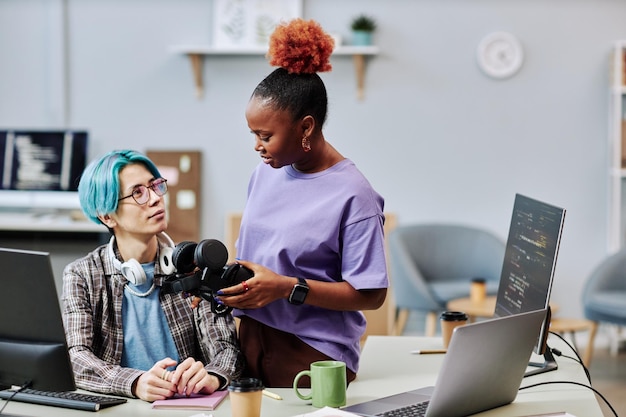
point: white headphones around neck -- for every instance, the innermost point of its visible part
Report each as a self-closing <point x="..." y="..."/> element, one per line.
<point x="132" y="270"/>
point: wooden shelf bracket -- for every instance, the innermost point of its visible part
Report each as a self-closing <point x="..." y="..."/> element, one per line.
<point x="359" y="67"/>
<point x="196" y="67"/>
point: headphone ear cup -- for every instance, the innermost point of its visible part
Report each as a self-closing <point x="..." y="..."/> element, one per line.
<point x="183" y="256"/>
<point x="166" y="260"/>
<point x="133" y="272"/>
<point x="211" y="253"/>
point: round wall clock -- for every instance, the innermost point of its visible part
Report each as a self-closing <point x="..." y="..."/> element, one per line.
<point x="500" y="54"/>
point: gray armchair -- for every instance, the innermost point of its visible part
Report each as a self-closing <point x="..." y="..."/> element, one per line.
<point x="431" y="264"/>
<point x="604" y="293"/>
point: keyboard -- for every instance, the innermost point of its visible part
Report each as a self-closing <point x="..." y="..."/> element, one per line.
<point x="414" y="410"/>
<point x="66" y="399"/>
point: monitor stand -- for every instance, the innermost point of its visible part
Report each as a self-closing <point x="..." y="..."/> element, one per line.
<point x="549" y="364"/>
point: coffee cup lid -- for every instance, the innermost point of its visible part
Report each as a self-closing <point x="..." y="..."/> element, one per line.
<point x="246" y="385"/>
<point x="453" y="316"/>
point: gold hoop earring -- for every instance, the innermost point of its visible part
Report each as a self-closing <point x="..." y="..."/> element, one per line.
<point x="306" y="144"/>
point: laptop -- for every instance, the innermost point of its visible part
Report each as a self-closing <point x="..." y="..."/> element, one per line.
<point x="476" y="374"/>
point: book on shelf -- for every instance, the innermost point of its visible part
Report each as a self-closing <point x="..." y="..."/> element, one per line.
<point x="193" y="402"/>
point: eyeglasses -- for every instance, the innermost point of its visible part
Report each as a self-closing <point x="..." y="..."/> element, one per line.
<point x="141" y="194"/>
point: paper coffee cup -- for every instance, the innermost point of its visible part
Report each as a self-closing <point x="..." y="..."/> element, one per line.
<point x="478" y="290"/>
<point x="450" y="320"/>
<point x="245" y="397"/>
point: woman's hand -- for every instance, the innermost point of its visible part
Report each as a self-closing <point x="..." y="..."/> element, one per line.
<point x="260" y="290"/>
<point x="267" y="286"/>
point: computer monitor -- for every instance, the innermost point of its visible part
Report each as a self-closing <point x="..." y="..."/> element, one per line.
<point x="528" y="269"/>
<point x="33" y="349"/>
<point x="41" y="168"/>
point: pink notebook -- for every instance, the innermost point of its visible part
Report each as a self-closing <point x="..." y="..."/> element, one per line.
<point x="194" y="402"/>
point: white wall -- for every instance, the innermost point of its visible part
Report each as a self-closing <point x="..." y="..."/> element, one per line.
<point x="437" y="138"/>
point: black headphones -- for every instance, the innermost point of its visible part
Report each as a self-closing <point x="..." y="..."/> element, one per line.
<point x="209" y="253"/>
<point x="211" y="256"/>
<point x="201" y="270"/>
<point x="132" y="270"/>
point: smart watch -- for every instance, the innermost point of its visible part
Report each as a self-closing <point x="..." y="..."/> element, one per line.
<point x="299" y="292"/>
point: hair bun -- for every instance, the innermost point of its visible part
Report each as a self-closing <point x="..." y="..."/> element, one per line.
<point x="301" y="47"/>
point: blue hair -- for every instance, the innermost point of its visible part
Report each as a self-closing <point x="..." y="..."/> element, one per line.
<point x="99" y="186"/>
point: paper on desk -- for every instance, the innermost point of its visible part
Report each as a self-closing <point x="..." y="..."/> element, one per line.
<point x="328" y="412"/>
<point x="558" y="414"/>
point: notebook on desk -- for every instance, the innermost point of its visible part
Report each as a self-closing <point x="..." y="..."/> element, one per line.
<point x="482" y="369"/>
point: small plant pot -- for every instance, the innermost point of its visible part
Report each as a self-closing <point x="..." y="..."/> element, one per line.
<point x="361" y="38"/>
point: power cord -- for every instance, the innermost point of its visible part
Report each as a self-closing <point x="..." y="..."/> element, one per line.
<point x="577" y="358"/>
<point x="574" y="383"/>
<point x="557" y="352"/>
<point x="24" y="386"/>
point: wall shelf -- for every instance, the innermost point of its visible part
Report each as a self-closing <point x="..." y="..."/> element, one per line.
<point x="197" y="53"/>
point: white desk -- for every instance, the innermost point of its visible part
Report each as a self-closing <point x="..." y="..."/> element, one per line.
<point x="387" y="367"/>
<point x="50" y="221"/>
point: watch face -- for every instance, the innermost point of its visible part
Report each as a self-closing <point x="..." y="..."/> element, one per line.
<point x="500" y="55"/>
<point x="298" y="294"/>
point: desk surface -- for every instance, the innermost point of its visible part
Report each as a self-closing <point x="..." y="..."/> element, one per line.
<point x="387" y="367"/>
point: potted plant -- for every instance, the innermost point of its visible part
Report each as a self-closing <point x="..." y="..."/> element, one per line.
<point x="362" y="27"/>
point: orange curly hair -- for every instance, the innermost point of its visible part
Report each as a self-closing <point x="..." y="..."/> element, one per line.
<point x="301" y="47"/>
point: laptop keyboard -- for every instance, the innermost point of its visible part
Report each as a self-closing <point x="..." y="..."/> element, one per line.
<point x="415" y="410"/>
<point x="67" y="399"/>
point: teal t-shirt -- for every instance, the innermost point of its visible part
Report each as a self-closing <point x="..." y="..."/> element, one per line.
<point x="147" y="336"/>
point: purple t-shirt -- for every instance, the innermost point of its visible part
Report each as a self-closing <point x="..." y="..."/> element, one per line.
<point x="325" y="226"/>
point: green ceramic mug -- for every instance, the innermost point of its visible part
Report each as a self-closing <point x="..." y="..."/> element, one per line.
<point x="328" y="384"/>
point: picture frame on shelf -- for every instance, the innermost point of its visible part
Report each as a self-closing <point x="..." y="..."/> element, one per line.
<point x="249" y="23"/>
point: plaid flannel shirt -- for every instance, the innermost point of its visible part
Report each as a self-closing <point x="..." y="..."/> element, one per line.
<point x="92" y="314"/>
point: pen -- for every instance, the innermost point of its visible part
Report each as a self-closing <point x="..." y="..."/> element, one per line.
<point x="428" y="351"/>
<point x="272" y="395"/>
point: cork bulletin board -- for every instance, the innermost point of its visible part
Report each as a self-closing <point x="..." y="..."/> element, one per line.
<point x="183" y="171"/>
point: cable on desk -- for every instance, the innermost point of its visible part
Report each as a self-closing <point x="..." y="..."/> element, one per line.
<point x="574" y="383"/>
<point x="26" y="385"/>
<point x="577" y="359"/>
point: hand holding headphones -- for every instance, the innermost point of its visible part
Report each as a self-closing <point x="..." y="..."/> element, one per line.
<point x="202" y="271"/>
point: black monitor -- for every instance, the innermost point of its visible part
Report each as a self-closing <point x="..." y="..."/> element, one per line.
<point x="528" y="270"/>
<point x="41" y="168"/>
<point x="33" y="349"/>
